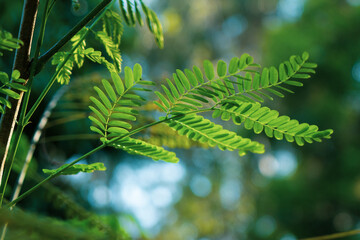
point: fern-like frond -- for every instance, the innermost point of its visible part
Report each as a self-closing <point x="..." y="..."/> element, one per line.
<point x="197" y="128"/>
<point x="131" y="14"/>
<point x="111" y="48"/>
<point x="191" y="90"/>
<point x="96" y="56"/>
<point x="114" y="106"/>
<point x="65" y="72"/>
<point x="76" y="58"/>
<point x="139" y="147"/>
<point x="79" y="51"/>
<point x="7" y="88"/>
<point x="7" y="42"/>
<point x="258" y="118"/>
<point x="112" y="26"/>
<point x="271" y="81"/>
<point x="163" y="135"/>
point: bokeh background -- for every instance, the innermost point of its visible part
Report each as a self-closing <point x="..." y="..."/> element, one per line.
<point x="288" y="193"/>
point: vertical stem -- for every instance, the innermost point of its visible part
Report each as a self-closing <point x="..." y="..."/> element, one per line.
<point x="21" y="63"/>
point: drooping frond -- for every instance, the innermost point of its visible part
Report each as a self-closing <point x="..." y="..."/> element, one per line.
<point x="75" y="169"/>
<point x="131" y="14"/>
<point x="112" y="26"/>
<point x="65" y="72"/>
<point x="77" y="57"/>
<point x="163" y="135"/>
<point x="258" y="118"/>
<point x="112" y="49"/>
<point x="79" y="51"/>
<point x="114" y="106"/>
<point x="197" y="128"/>
<point x="139" y="147"/>
<point x="7" y="42"/>
<point x="96" y="56"/>
<point x="7" y="88"/>
<point x="191" y="90"/>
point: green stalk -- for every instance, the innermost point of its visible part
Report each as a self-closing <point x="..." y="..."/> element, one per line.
<point x="61" y="169"/>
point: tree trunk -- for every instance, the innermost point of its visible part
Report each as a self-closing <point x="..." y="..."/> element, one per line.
<point x="21" y="63"/>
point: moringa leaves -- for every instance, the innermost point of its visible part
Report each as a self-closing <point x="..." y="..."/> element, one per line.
<point x="197" y="128"/>
<point x="239" y="81"/>
<point x="113" y="107"/>
<point x="258" y="118"/>
<point x="231" y="91"/>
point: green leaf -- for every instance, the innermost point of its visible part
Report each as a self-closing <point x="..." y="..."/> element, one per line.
<point x="123" y="12"/>
<point x="98" y="114"/>
<point x="198" y="74"/>
<point x="137" y="72"/>
<point x="163" y="99"/>
<point x="130" y="12"/>
<point x="103" y="97"/>
<point x="129" y="78"/>
<point x="118" y="131"/>
<point x="138" y="15"/>
<point x="97" y="122"/>
<point x="15" y="74"/>
<point x="265" y="78"/>
<point x="100" y="106"/>
<point x="221" y="68"/>
<point x="109" y="90"/>
<point x="4" y="78"/>
<point x="10" y="93"/>
<point x="209" y="70"/>
<point x="4" y="101"/>
<point x="17" y="86"/>
<point x="139" y="147"/>
<point x="274" y="75"/>
<point x="233" y="65"/>
<point x="183" y="79"/>
<point x="191" y="77"/>
<point x="119" y="86"/>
